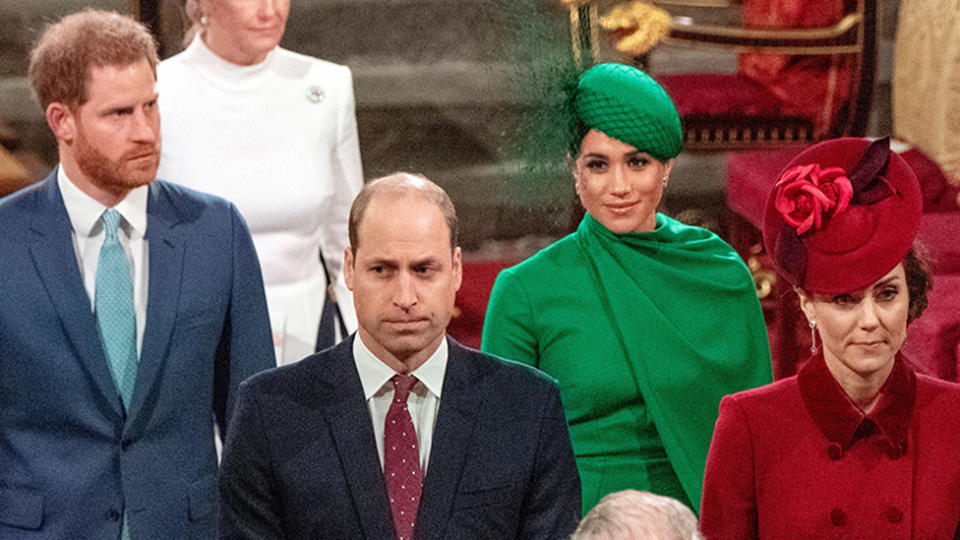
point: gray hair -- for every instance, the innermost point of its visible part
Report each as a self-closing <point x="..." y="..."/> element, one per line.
<point x="635" y="515"/>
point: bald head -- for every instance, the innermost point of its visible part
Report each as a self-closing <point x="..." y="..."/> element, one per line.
<point x="397" y="186"/>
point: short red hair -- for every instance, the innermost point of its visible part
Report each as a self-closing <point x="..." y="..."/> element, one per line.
<point x="61" y="59"/>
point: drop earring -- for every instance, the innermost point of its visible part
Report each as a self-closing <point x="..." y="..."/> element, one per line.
<point x="813" y="337"/>
<point x="665" y="180"/>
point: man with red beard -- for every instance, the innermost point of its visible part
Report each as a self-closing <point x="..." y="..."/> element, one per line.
<point x="130" y="310"/>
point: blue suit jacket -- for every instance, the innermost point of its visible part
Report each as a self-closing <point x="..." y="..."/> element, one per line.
<point x="70" y="456"/>
<point x="301" y="461"/>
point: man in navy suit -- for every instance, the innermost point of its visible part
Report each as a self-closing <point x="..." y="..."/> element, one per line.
<point x="130" y="310"/>
<point x="400" y="432"/>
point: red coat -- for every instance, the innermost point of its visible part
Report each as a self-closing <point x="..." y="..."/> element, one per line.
<point x="796" y="459"/>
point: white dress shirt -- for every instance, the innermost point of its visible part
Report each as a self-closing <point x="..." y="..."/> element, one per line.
<point x="423" y="401"/>
<point x="85" y="213"/>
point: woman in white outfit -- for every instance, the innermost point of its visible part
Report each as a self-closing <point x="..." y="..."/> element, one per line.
<point x="274" y="132"/>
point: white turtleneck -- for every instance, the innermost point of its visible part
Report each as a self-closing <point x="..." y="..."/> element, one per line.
<point x="279" y="139"/>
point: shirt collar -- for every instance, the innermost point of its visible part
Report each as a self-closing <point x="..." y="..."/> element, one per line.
<point x="841" y="421"/>
<point x="374" y="374"/>
<point x="85" y="211"/>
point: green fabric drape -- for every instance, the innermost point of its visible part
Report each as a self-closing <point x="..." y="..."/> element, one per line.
<point x="645" y="332"/>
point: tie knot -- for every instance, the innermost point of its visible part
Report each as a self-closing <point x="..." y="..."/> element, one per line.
<point x="402" y="384"/>
<point x="111" y="222"/>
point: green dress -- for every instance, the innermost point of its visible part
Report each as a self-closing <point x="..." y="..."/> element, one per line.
<point x="645" y="333"/>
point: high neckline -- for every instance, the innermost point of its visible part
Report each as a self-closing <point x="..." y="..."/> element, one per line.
<point x="599" y="228"/>
<point x="226" y="74"/>
<point x="839" y="419"/>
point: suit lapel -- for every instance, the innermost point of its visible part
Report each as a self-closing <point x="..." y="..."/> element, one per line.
<point x="166" y="248"/>
<point x="350" y="425"/>
<point x="56" y="261"/>
<point x="459" y="407"/>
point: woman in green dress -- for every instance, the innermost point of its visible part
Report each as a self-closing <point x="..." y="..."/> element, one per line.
<point x="644" y="321"/>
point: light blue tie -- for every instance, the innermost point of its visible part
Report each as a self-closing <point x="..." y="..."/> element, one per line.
<point x="113" y="302"/>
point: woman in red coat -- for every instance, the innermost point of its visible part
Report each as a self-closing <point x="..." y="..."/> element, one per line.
<point x="856" y="445"/>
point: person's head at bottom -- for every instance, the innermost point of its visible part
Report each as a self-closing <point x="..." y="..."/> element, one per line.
<point x="636" y="515"/>
<point x="840" y="224"/>
<point x="403" y="266"/>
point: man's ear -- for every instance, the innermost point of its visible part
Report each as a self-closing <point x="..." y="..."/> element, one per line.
<point x="457" y="266"/>
<point x="348" y="267"/>
<point x="62" y="121"/>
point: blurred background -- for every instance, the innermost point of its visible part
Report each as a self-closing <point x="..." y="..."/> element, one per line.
<point x="441" y="86"/>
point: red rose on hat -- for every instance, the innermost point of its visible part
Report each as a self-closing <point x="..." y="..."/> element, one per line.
<point x="805" y="192"/>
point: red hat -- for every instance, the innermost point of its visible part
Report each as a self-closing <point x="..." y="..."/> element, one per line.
<point x="841" y="215"/>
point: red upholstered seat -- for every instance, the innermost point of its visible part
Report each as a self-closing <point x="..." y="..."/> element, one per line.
<point x="466" y="326"/>
<point x="805" y="72"/>
<point x="933" y="340"/>
<point x="722" y="94"/>
<point x="940" y="235"/>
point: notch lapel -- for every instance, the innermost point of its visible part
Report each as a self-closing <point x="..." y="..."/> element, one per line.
<point x="456" y="419"/>
<point x="166" y="248"/>
<point x="352" y="431"/>
<point x="56" y="262"/>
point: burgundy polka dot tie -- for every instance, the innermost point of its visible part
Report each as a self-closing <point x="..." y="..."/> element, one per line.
<point x="401" y="459"/>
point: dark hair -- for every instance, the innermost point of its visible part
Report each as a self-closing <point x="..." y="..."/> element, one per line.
<point x="401" y="183"/>
<point x="919" y="279"/>
<point x="61" y="59"/>
<point x="578" y="132"/>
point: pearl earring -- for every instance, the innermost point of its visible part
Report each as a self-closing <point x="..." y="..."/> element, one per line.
<point x="203" y="20"/>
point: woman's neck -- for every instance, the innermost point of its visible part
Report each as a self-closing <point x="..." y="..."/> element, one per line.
<point x="863" y="389"/>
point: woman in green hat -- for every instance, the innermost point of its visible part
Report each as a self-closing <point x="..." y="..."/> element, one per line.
<point x="644" y="321"/>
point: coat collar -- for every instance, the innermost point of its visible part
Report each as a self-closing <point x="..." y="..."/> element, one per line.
<point x="55" y="259"/>
<point x="459" y="408"/>
<point x="841" y="421"/>
<point x="346" y="412"/>
<point x="166" y="243"/>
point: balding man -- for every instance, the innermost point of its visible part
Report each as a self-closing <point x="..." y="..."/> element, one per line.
<point x="399" y="431"/>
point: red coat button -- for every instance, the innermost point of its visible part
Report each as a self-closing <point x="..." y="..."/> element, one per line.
<point x="893" y="514"/>
<point x="896" y="451"/>
<point x="835" y="451"/>
<point x="838" y="517"/>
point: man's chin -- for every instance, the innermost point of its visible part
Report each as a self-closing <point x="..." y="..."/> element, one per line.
<point x="137" y="177"/>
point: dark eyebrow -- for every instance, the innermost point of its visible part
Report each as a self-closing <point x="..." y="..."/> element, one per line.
<point x="887" y="281"/>
<point x="596" y="155"/>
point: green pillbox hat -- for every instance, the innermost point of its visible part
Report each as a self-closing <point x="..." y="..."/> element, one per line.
<point x="627" y="104"/>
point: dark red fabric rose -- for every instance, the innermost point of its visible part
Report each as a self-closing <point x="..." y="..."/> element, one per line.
<point x="806" y="193"/>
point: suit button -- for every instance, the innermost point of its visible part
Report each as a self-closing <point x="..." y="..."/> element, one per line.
<point x="838" y="517"/>
<point x="835" y="451"/>
<point x="124" y="444"/>
<point x="113" y="515"/>
<point x="893" y="514"/>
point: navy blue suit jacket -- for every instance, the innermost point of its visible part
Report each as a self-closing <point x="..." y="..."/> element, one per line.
<point x="301" y="461"/>
<point x="71" y="458"/>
